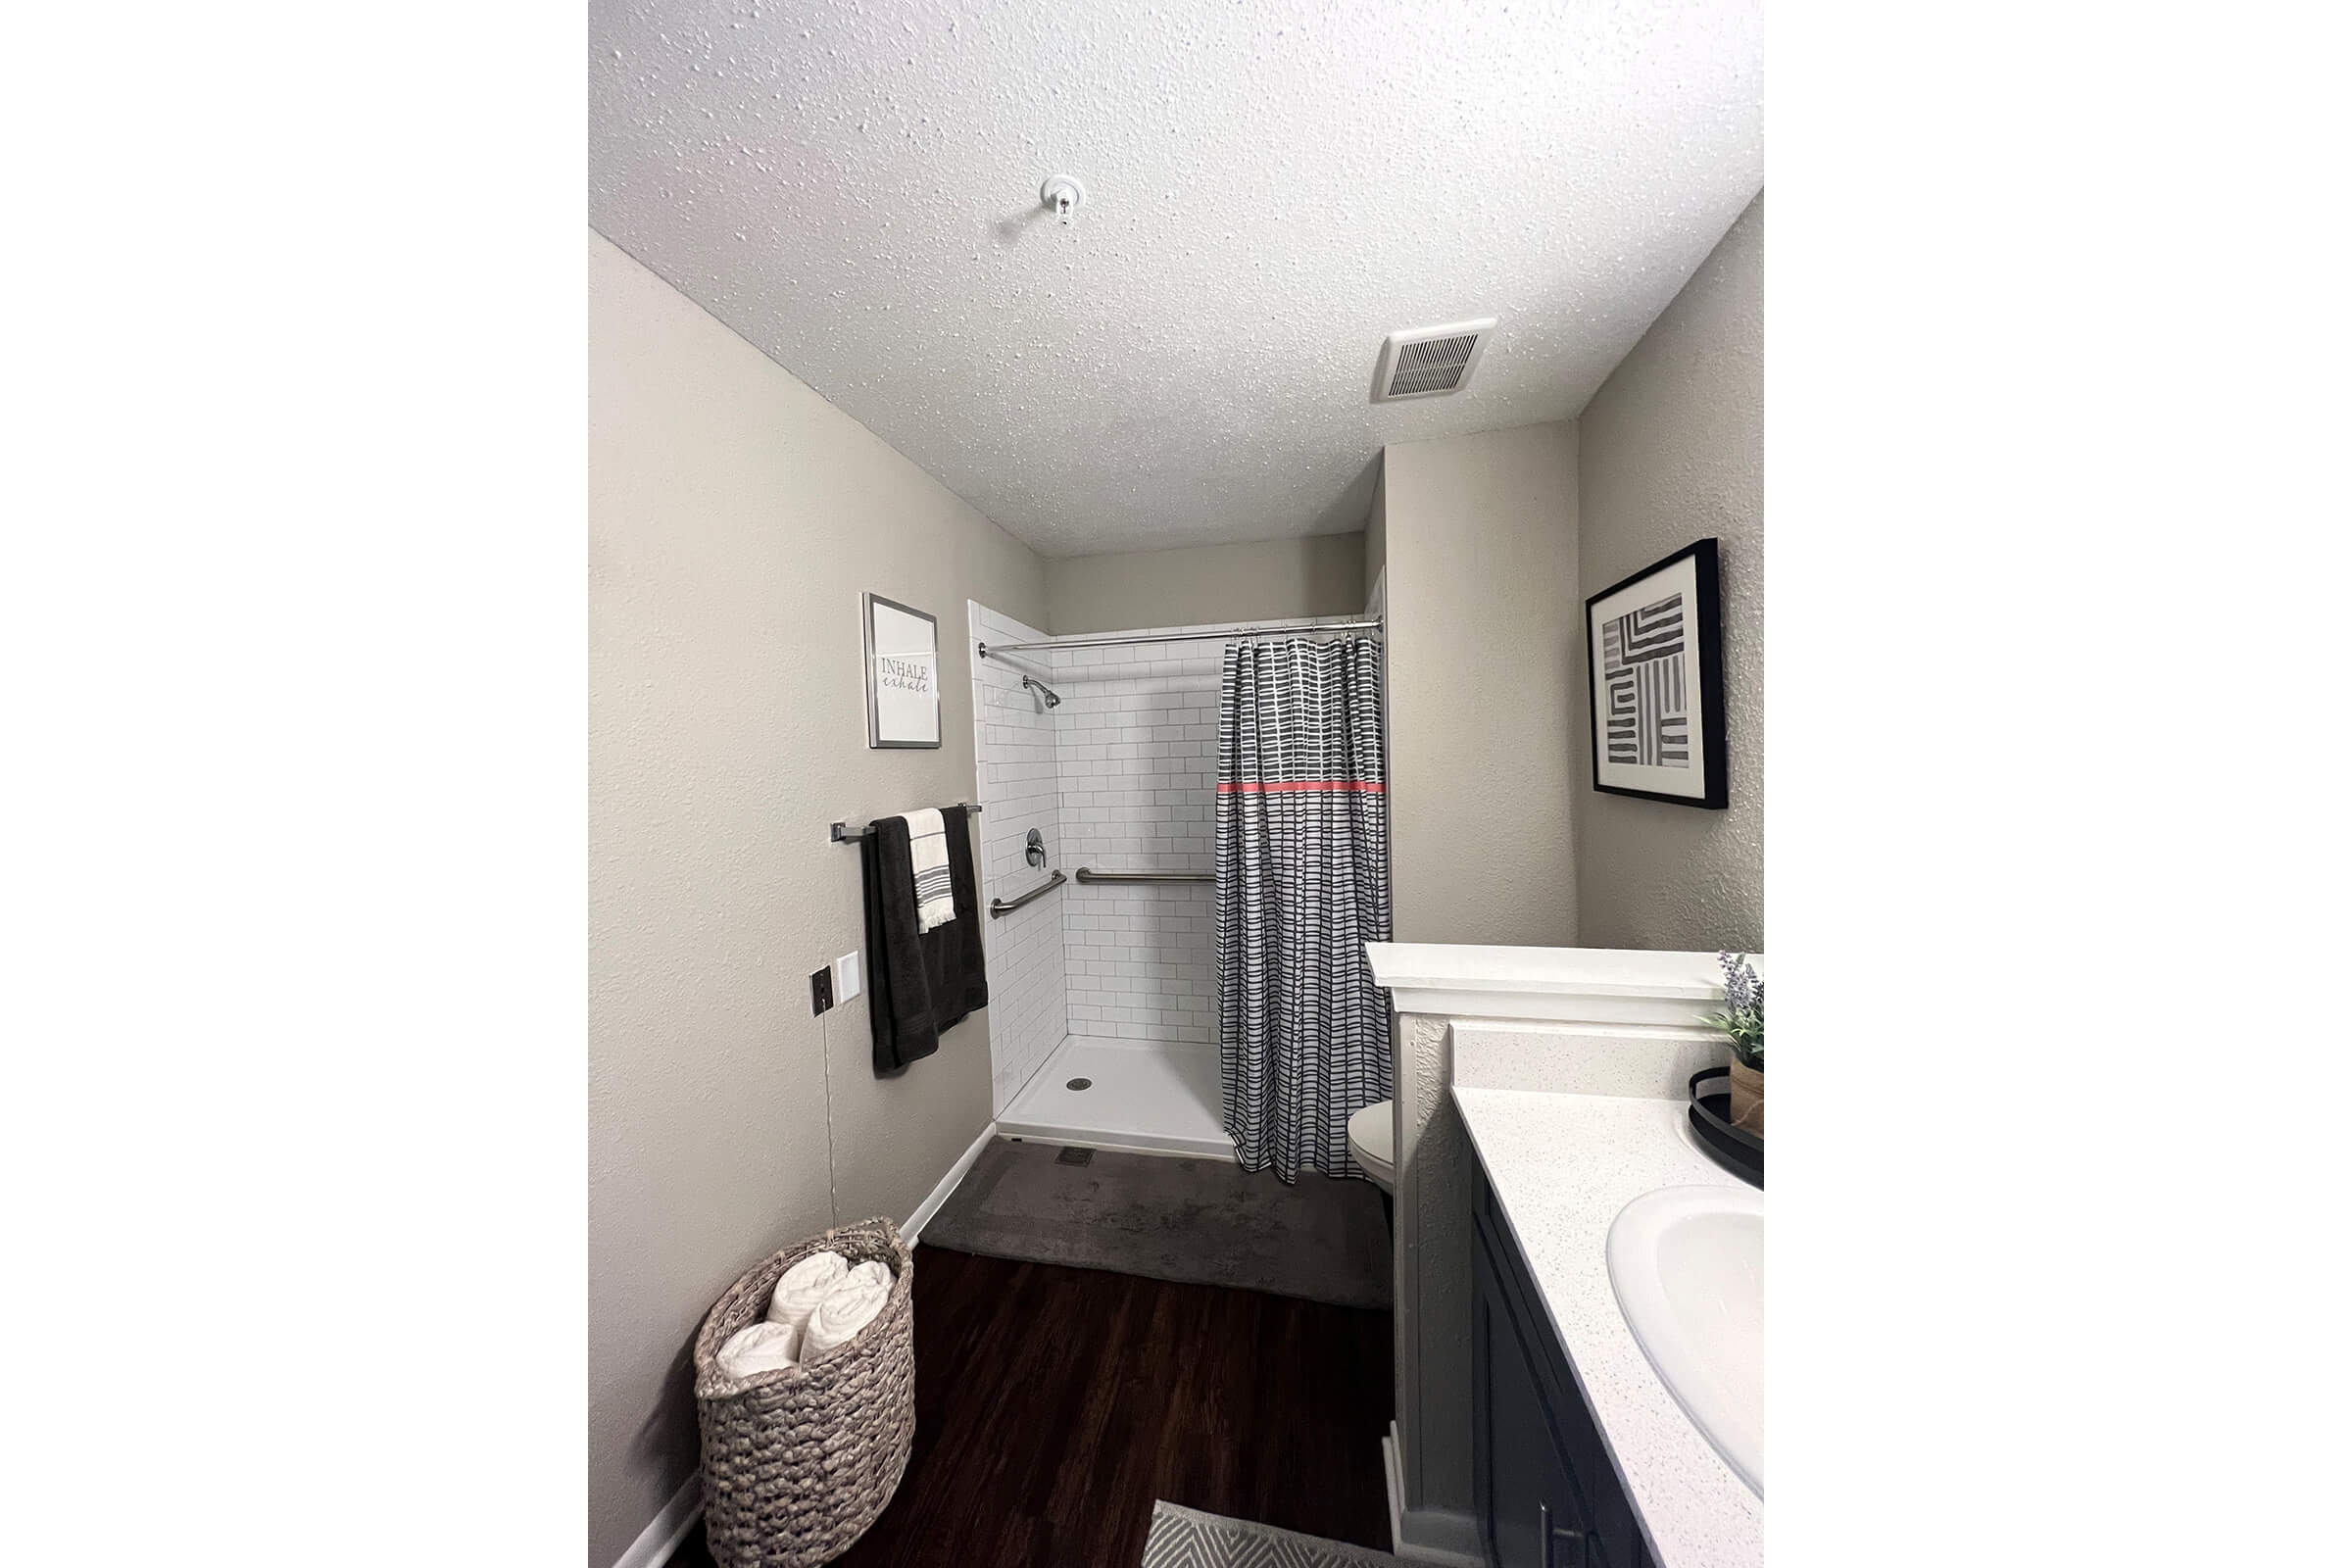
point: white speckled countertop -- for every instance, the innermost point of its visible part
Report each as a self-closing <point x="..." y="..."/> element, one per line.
<point x="1562" y="1166"/>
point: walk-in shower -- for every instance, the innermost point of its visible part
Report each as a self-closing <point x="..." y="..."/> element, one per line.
<point x="1109" y="978"/>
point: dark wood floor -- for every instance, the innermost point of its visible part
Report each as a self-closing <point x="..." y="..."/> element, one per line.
<point x="1052" y="1405"/>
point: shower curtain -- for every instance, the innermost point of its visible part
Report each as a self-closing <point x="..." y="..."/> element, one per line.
<point x="1303" y="883"/>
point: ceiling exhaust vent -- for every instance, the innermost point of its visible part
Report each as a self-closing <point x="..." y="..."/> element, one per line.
<point x="1429" y="362"/>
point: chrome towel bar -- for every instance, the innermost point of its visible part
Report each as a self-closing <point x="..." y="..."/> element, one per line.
<point x="842" y="834"/>
<point x="999" y="907"/>
<point x="1087" y="873"/>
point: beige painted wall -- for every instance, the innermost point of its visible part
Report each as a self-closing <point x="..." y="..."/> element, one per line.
<point x="1673" y="450"/>
<point x="1482" y="623"/>
<point x="1481" y="546"/>
<point x="734" y="518"/>
<point x="1376" y="533"/>
<point x="1279" y="578"/>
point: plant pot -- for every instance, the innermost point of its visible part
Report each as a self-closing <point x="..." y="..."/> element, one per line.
<point x="1747" y="1098"/>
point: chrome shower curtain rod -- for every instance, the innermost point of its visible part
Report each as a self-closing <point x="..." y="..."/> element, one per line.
<point x="1272" y="630"/>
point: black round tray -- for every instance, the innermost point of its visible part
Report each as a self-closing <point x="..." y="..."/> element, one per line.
<point x="1735" y="1149"/>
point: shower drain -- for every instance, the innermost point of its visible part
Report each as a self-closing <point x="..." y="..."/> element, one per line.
<point x="1080" y="1083"/>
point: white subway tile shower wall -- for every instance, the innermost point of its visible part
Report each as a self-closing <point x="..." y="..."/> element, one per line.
<point x="1138" y="753"/>
<point x="1019" y="790"/>
<point x="1139" y="777"/>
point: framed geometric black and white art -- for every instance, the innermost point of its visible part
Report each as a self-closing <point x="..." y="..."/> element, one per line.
<point x="1654" y="647"/>
<point x="901" y="676"/>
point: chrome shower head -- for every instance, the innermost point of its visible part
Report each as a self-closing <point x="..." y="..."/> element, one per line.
<point x="1052" y="698"/>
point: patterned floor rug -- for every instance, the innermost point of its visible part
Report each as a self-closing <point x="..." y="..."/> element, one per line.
<point x="1186" y="1538"/>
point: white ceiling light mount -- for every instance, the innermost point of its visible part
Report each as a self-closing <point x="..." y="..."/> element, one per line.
<point x="1061" y="196"/>
<point x="1429" y="362"/>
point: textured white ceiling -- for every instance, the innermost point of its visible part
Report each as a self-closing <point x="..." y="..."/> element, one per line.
<point x="1273" y="186"/>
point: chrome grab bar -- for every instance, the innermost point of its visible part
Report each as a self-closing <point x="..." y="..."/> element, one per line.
<point x="999" y="908"/>
<point x="1087" y="873"/>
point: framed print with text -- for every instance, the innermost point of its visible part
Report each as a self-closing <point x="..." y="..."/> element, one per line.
<point x="902" y="676"/>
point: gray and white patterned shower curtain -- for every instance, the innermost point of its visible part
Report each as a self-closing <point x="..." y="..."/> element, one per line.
<point x="1303" y="883"/>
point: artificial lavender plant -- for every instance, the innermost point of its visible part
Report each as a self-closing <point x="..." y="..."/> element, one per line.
<point x="1743" y="1016"/>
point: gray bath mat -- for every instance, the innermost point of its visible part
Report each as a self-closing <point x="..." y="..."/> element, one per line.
<point x="1185" y="1537"/>
<point x="1194" y="1221"/>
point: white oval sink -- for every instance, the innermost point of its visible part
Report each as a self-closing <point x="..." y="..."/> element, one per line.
<point x="1687" y="1265"/>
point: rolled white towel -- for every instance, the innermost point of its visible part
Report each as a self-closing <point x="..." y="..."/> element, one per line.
<point x="848" y="1307"/>
<point x="761" y="1347"/>
<point x="803" y="1286"/>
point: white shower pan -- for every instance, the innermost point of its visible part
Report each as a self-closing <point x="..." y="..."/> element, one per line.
<point x="1149" y="1096"/>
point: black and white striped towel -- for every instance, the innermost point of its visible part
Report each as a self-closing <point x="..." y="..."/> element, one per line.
<point x="927" y="850"/>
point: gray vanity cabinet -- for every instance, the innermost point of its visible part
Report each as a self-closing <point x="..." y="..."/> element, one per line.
<point x="1548" y="1494"/>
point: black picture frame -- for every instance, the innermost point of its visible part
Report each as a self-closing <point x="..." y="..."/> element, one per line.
<point x="1704" y="703"/>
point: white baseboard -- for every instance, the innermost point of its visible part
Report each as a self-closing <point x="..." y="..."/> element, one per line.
<point x="1434" y="1536"/>
<point x="912" y="1230"/>
<point x="1388" y="1468"/>
<point x="656" y="1540"/>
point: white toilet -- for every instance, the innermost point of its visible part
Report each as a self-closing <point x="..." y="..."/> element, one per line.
<point x="1372" y="1140"/>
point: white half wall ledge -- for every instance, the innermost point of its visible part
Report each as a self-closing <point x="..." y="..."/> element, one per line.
<point x="1565" y="985"/>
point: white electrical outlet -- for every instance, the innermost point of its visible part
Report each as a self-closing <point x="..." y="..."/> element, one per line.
<point x="845" y="978"/>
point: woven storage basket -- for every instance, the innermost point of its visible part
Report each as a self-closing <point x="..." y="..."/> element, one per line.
<point x="799" y="1461"/>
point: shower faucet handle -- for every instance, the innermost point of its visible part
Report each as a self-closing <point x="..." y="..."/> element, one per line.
<point x="1035" y="852"/>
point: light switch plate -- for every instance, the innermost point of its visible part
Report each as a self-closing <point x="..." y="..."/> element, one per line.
<point x="845" y="977"/>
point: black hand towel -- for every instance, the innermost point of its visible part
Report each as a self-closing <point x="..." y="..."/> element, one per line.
<point x="921" y="984"/>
